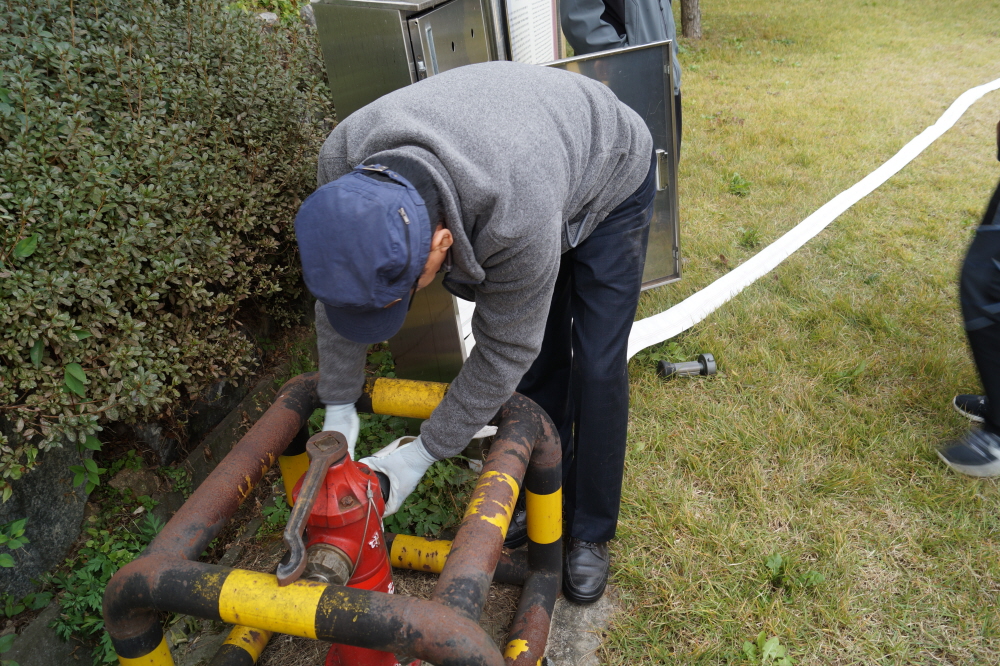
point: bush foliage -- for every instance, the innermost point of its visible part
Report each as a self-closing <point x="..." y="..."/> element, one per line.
<point x="152" y="156"/>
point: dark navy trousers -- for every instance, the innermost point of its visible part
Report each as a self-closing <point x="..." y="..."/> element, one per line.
<point x="580" y="377"/>
<point x="979" y="291"/>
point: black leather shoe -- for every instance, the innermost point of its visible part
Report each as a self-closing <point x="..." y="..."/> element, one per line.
<point x="517" y="533"/>
<point x="585" y="573"/>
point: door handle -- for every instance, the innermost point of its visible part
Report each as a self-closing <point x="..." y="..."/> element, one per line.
<point x="429" y="33"/>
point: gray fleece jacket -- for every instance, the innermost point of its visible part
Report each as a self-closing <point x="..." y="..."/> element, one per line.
<point x="528" y="161"/>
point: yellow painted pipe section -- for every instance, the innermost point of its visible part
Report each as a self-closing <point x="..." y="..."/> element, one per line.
<point x="159" y="657"/>
<point x="419" y="554"/>
<point x="252" y="599"/>
<point x="515" y="649"/>
<point x="292" y="468"/>
<point x="492" y="511"/>
<point x="253" y="641"/>
<point x="406" y="397"/>
<point x="544" y="516"/>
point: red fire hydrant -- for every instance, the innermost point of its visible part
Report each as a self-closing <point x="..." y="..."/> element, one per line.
<point x="339" y="507"/>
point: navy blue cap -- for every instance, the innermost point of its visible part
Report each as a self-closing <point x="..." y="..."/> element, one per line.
<point x="363" y="243"/>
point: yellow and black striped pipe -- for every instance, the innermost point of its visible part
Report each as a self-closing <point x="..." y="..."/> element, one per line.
<point x="374" y="620"/>
<point x="417" y="553"/>
<point x="158" y="656"/>
<point x="543" y="499"/>
<point x="242" y="647"/>
<point x="465" y="581"/>
<point x="294" y="462"/>
<point x="430" y="555"/>
<point x="527" y="639"/>
<point x="543" y="502"/>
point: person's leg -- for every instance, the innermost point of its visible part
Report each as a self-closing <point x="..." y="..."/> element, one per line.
<point x="607" y="278"/>
<point x="976" y="407"/>
<point x="547" y="380"/>
<point x="607" y="275"/>
<point x="985" y="346"/>
<point x="978" y="452"/>
<point x="979" y="292"/>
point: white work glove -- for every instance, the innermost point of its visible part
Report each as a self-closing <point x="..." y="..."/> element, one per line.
<point x="344" y="419"/>
<point x="404" y="462"/>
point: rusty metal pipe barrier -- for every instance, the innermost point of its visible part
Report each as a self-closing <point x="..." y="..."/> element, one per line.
<point x="441" y="631"/>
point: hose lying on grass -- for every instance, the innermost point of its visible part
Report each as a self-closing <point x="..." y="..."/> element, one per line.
<point x="679" y="318"/>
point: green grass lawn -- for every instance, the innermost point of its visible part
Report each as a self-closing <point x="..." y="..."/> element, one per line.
<point x="817" y="439"/>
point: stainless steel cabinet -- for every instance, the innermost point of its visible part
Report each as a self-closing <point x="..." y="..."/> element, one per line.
<point x="642" y="78"/>
<point x="449" y="36"/>
<point x="372" y="47"/>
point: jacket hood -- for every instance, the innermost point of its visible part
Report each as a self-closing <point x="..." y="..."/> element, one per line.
<point x="465" y="269"/>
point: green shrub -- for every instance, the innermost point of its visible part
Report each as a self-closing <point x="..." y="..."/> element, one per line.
<point x="12" y="537"/>
<point x="11" y="606"/>
<point x="113" y="541"/>
<point x="438" y="502"/>
<point x="287" y="10"/>
<point x="152" y="156"/>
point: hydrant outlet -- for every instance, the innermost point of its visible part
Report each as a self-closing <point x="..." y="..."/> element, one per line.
<point x="327" y="564"/>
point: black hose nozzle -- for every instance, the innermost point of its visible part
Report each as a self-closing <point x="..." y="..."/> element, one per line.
<point x="705" y="365"/>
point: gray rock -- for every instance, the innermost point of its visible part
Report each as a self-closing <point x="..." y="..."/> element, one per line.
<point x="194" y="641"/>
<point x="38" y="645"/>
<point x="232" y="427"/>
<point x="212" y="406"/>
<point x="576" y="632"/>
<point x="153" y="436"/>
<point x="268" y="17"/>
<point x="54" y="509"/>
<point x="308" y="15"/>
<point x="167" y="505"/>
<point x="147" y="482"/>
<point x="139" y="481"/>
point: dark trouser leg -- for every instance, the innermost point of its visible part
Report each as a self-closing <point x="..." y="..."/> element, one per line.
<point x="547" y="381"/>
<point x="985" y="345"/>
<point x="607" y="276"/>
<point x="607" y="272"/>
<point x="980" y="297"/>
<point x="583" y="366"/>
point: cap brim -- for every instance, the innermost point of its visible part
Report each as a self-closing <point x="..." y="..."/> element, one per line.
<point x="371" y="326"/>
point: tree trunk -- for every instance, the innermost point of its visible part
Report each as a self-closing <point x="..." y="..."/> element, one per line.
<point x="690" y="19"/>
